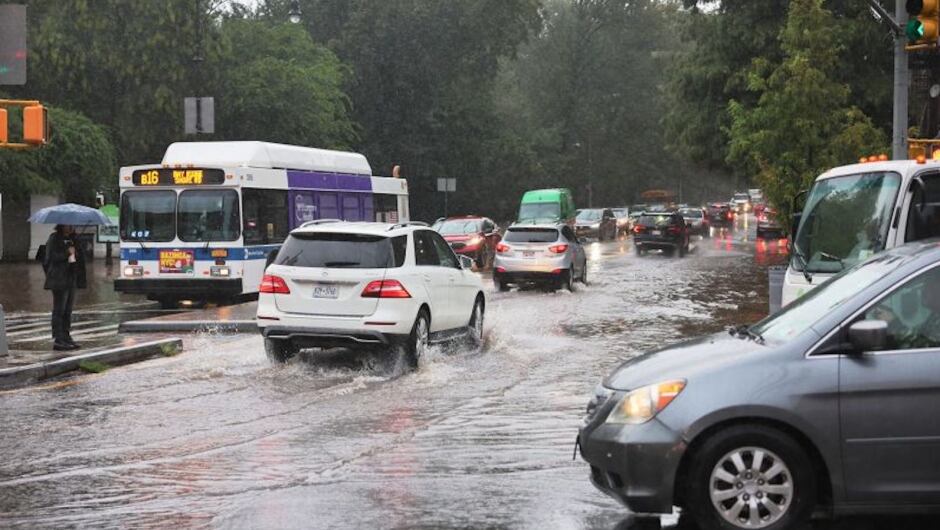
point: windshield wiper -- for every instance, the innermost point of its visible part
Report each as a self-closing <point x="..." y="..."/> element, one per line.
<point x="746" y="331"/>
<point x="341" y="263"/>
<point x="829" y="257"/>
<point x="803" y="265"/>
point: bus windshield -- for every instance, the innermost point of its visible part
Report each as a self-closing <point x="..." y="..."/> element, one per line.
<point x="845" y="221"/>
<point x="148" y="216"/>
<point x="208" y="215"/>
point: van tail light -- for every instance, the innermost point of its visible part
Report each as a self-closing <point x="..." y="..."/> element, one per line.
<point x="272" y="284"/>
<point x="502" y="248"/>
<point x="385" y="289"/>
<point x="558" y="249"/>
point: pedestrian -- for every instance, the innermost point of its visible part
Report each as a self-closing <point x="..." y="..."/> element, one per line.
<point x="65" y="272"/>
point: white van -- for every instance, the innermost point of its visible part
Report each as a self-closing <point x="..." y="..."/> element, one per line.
<point x="855" y="211"/>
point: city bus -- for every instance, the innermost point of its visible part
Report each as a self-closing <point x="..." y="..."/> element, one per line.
<point x="199" y="226"/>
<point x="852" y="212"/>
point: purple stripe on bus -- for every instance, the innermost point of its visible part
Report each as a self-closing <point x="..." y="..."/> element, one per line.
<point x="315" y="180"/>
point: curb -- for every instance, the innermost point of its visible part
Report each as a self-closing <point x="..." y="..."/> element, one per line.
<point x="31" y="373"/>
<point x="145" y="326"/>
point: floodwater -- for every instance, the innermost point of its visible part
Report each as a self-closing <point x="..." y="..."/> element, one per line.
<point x="218" y="437"/>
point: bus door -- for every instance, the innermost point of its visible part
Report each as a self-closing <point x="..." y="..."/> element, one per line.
<point x="922" y="215"/>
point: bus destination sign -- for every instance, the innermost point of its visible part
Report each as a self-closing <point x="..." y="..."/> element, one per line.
<point x="178" y="177"/>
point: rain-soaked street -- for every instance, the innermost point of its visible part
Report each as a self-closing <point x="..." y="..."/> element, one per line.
<point x="219" y="437"/>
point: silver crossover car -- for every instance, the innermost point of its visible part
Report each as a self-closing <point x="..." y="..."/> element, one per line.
<point x="547" y="254"/>
<point x="830" y="405"/>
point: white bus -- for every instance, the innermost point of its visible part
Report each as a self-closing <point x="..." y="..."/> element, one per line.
<point x="200" y="225"/>
<point x="855" y="211"/>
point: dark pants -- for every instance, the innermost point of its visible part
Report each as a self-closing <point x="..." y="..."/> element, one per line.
<point x="62" y="302"/>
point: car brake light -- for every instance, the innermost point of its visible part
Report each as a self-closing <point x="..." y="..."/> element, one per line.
<point x="674" y="230"/>
<point x="637" y="229"/>
<point x="502" y="248"/>
<point x="730" y="215"/>
<point x="385" y="289"/>
<point x="272" y="284"/>
<point x="558" y="249"/>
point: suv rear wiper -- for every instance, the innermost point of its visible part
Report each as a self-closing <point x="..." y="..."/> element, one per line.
<point x="799" y="255"/>
<point x="341" y="263"/>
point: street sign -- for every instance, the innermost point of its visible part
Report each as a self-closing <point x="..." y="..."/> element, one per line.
<point x="12" y="44"/>
<point x="199" y="115"/>
<point x="447" y="185"/>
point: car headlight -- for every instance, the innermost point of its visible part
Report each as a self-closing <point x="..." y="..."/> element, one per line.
<point x="643" y="404"/>
<point x="596" y="225"/>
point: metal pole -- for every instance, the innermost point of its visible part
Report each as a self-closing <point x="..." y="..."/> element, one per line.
<point x="4" y="348"/>
<point x="902" y="79"/>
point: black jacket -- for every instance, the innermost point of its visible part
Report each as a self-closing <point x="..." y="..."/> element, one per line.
<point x="60" y="274"/>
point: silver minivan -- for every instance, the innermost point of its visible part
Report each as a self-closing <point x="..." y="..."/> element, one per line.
<point x="831" y="405"/>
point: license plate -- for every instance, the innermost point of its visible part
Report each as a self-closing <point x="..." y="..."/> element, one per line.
<point x="657" y="232"/>
<point x="528" y="253"/>
<point x="326" y="291"/>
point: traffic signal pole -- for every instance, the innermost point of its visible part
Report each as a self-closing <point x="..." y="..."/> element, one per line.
<point x="902" y="81"/>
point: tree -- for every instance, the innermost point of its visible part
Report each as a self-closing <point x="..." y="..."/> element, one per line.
<point x="803" y="122"/>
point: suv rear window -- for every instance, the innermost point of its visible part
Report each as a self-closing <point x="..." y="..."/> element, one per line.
<point x="347" y="251"/>
<point x="656" y="220"/>
<point x="531" y="235"/>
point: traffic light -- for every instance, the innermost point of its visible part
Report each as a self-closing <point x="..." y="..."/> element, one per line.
<point x="12" y="44"/>
<point x="4" y="135"/>
<point x="35" y="125"/>
<point x="923" y="28"/>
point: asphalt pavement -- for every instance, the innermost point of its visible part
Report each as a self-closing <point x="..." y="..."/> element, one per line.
<point x="219" y="437"/>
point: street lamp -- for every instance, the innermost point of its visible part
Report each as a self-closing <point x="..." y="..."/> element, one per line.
<point x="294" y="14"/>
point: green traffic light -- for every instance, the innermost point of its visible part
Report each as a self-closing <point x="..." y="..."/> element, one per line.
<point x="914" y="30"/>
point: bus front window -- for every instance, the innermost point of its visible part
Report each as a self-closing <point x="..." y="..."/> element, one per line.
<point x="845" y="220"/>
<point x="148" y="216"/>
<point x="208" y="215"/>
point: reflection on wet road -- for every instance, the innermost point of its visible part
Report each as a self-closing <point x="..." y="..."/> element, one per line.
<point x="219" y="437"/>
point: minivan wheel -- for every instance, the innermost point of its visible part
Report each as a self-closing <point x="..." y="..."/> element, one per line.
<point x="751" y="476"/>
<point x="279" y="350"/>
<point x="417" y="343"/>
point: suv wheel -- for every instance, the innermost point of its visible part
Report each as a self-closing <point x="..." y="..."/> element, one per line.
<point x="584" y="273"/>
<point x="501" y="285"/>
<point x="279" y="350"/>
<point x="567" y="280"/>
<point x="475" y="326"/>
<point x="417" y="342"/>
<point x="751" y="476"/>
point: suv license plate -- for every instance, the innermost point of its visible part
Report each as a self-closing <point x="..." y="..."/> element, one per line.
<point x="326" y="291"/>
<point x="657" y="232"/>
<point x="528" y="254"/>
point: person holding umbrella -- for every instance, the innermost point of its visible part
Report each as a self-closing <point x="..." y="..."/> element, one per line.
<point x="65" y="272"/>
<point x="64" y="264"/>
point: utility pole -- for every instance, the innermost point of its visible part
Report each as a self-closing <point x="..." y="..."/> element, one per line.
<point x="902" y="81"/>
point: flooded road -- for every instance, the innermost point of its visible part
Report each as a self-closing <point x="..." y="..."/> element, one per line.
<point x="218" y="437"/>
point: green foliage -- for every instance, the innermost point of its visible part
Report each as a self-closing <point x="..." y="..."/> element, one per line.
<point x="803" y="122"/>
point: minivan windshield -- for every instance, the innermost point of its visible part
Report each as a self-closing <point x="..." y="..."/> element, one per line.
<point x="540" y="210"/>
<point x="807" y="310"/>
<point x="531" y="235"/>
<point x="347" y="251"/>
<point x="845" y="220"/>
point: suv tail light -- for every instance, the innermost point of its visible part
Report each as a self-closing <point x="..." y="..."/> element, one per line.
<point x="674" y="229"/>
<point x="558" y="249"/>
<point x="272" y="284"/>
<point x="385" y="289"/>
<point x="730" y="215"/>
<point x="502" y="248"/>
<point x="638" y="229"/>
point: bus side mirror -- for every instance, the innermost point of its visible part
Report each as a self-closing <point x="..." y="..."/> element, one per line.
<point x="270" y="259"/>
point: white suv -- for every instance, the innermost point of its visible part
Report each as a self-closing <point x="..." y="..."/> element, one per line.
<point x="362" y="285"/>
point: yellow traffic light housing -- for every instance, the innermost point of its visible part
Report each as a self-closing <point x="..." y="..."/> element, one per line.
<point x="4" y="135"/>
<point x="35" y="124"/>
<point x="923" y="28"/>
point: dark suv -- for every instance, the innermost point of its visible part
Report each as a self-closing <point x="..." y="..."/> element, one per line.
<point x="661" y="230"/>
<point x="720" y="214"/>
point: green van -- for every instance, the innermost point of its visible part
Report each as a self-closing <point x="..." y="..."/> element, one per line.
<point x="547" y="206"/>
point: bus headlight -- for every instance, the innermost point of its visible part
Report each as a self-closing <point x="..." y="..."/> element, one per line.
<point x="220" y="272"/>
<point x="133" y="271"/>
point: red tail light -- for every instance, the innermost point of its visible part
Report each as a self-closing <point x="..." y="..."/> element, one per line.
<point x="385" y="289"/>
<point x="558" y="249"/>
<point x="637" y="229"/>
<point x="502" y="248"/>
<point x="272" y="284"/>
<point x="730" y="215"/>
<point x="674" y="230"/>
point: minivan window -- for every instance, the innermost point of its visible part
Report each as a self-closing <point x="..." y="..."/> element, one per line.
<point x="347" y="251"/>
<point x="531" y="235"/>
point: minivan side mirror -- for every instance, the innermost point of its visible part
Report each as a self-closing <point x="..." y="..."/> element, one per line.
<point x="270" y="259"/>
<point x="868" y="335"/>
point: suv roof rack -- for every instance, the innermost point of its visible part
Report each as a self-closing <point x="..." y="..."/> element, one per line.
<point x="316" y="222"/>
<point x="403" y="225"/>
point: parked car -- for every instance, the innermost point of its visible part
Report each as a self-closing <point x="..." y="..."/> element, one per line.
<point x="597" y="223"/>
<point x="697" y="221"/>
<point x="666" y="231"/>
<point x="471" y="236"/>
<point x="741" y="202"/>
<point x="830" y="405"/>
<point x="768" y="223"/>
<point x="623" y="220"/>
<point x="548" y="254"/>
<point x="367" y="285"/>
<point x="720" y="214"/>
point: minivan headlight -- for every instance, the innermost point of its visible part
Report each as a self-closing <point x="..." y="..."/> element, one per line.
<point x="643" y="404"/>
